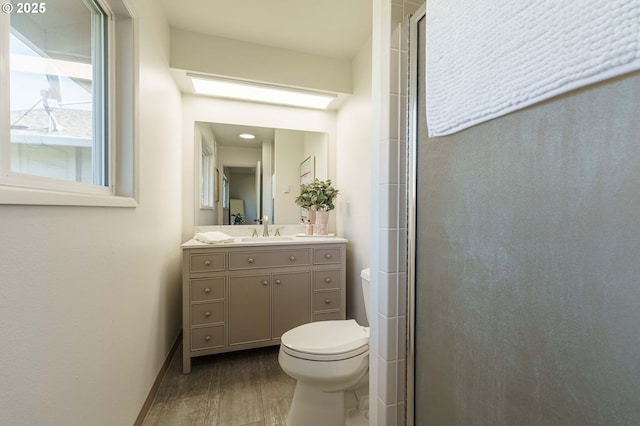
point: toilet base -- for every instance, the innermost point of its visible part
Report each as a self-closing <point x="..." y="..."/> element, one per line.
<point x="357" y="407"/>
<point x="312" y="407"/>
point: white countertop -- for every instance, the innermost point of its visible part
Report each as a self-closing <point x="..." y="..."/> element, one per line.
<point x="271" y="241"/>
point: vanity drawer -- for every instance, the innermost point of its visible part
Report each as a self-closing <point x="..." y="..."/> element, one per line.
<point x="207" y="313"/>
<point x="207" y="337"/>
<point x="207" y="289"/>
<point x="326" y="316"/>
<point x="325" y="256"/>
<point x="325" y="280"/>
<point x="326" y="300"/>
<point x="207" y="262"/>
<point x="269" y="259"/>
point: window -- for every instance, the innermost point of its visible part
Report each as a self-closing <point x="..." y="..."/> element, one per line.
<point x="63" y="122"/>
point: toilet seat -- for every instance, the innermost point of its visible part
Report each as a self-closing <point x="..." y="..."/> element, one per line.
<point x="326" y="340"/>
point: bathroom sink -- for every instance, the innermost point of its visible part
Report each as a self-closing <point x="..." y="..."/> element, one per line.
<point x="265" y="239"/>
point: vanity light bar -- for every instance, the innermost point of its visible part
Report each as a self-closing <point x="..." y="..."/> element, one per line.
<point x="258" y="93"/>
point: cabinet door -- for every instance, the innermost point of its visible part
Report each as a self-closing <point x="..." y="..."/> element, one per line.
<point x="291" y="301"/>
<point x="249" y="309"/>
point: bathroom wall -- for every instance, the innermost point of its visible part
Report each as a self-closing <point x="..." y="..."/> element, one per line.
<point x="90" y="296"/>
<point x="288" y="148"/>
<point x="316" y="144"/>
<point x="225" y="57"/>
<point x="353" y="204"/>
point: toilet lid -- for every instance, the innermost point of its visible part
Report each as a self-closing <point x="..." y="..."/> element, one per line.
<point x="326" y="337"/>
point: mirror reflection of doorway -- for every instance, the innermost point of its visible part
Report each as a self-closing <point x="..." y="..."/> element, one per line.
<point x="241" y="208"/>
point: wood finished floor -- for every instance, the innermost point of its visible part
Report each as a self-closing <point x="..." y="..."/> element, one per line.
<point x="234" y="389"/>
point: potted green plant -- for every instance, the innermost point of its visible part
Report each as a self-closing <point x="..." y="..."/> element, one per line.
<point x="318" y="196"/>
<point x="238" y="219"/>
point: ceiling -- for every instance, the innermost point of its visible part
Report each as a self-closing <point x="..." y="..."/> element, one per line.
<point x="334" y="28"/>
<point x="227" y="135"/>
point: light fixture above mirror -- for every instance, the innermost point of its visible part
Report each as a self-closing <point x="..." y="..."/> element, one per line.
<point x="256" y="92"/>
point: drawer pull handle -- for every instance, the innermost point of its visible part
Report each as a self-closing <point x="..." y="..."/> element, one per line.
<point x="278" y="281"/>
<point x="327" y="256"/>
<point x="207" y="290"/>
<point x="208" y="338"/>
<point x="207" y="263"/>
<point x="250" y="260"/>
<point x="207" y="314"/>
<point x="327" y="280"/>
<point x="292" y="258"/>
<point x="327" y="301"/>
<point x="265" y="282"/>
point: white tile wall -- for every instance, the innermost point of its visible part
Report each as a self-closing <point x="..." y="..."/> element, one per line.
<point x="392" y="225"/>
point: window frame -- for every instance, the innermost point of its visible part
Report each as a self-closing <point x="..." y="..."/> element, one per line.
<point x="120" y="106"/>
<point x="207" y="180"/>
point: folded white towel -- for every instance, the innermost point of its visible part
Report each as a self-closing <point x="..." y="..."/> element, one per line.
<point x="213" y="237"/>
<point x="486" y="58"/>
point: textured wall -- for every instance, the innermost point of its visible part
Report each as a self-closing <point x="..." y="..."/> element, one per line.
<point x="528" y="265"/>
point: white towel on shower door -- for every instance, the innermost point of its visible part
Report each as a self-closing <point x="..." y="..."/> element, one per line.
<point x="486" y="58"/>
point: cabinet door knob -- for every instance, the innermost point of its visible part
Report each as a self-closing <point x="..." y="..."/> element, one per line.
<point x="278" y="281"/>
<point x="250" y="260"/>
<point x="207" y="290"/>
<point x="207" y="263"/>
<point x="265" y="282"/>
<point x="207" y="314"/>
<point x="207" y="338"/>
<point x="292" y="258"/>
<point x="327" y="301"/>
<point x="327" y="256"/>
<point x="327" y="280"/>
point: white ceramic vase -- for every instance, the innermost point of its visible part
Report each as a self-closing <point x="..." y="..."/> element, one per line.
<point x="322" y="221"/>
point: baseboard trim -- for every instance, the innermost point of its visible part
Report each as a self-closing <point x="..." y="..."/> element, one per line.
<point x="156" y="384"/>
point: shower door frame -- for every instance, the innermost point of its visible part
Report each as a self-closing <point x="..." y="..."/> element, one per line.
<point x="412" y="141"/>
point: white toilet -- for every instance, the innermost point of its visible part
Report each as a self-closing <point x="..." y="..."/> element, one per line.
<point x="327" y="358"/>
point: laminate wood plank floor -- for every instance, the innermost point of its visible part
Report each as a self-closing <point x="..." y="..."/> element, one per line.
<point x="245" y="388"/>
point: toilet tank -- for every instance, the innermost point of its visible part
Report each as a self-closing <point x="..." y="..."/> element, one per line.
<point x="365" y="277"/>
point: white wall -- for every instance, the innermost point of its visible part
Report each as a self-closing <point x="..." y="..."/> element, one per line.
<point x="238" y="59"/>
<point x="90" y="296"/>
<point x="353" y="206"/>
<point x="316" y="144"/>
<point x="229" y="156"/>
<point x="288" y="149"/>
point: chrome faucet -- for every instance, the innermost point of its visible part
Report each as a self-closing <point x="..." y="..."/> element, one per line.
<point x="254" y="232"/>
<point x="265" y="223"/>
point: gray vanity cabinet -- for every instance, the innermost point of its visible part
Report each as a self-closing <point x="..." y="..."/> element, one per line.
<point x="246" y="296"/>
<point x="249" y="309"/>
<point x="263" y="307"/>
<point x="291" y="301"/>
